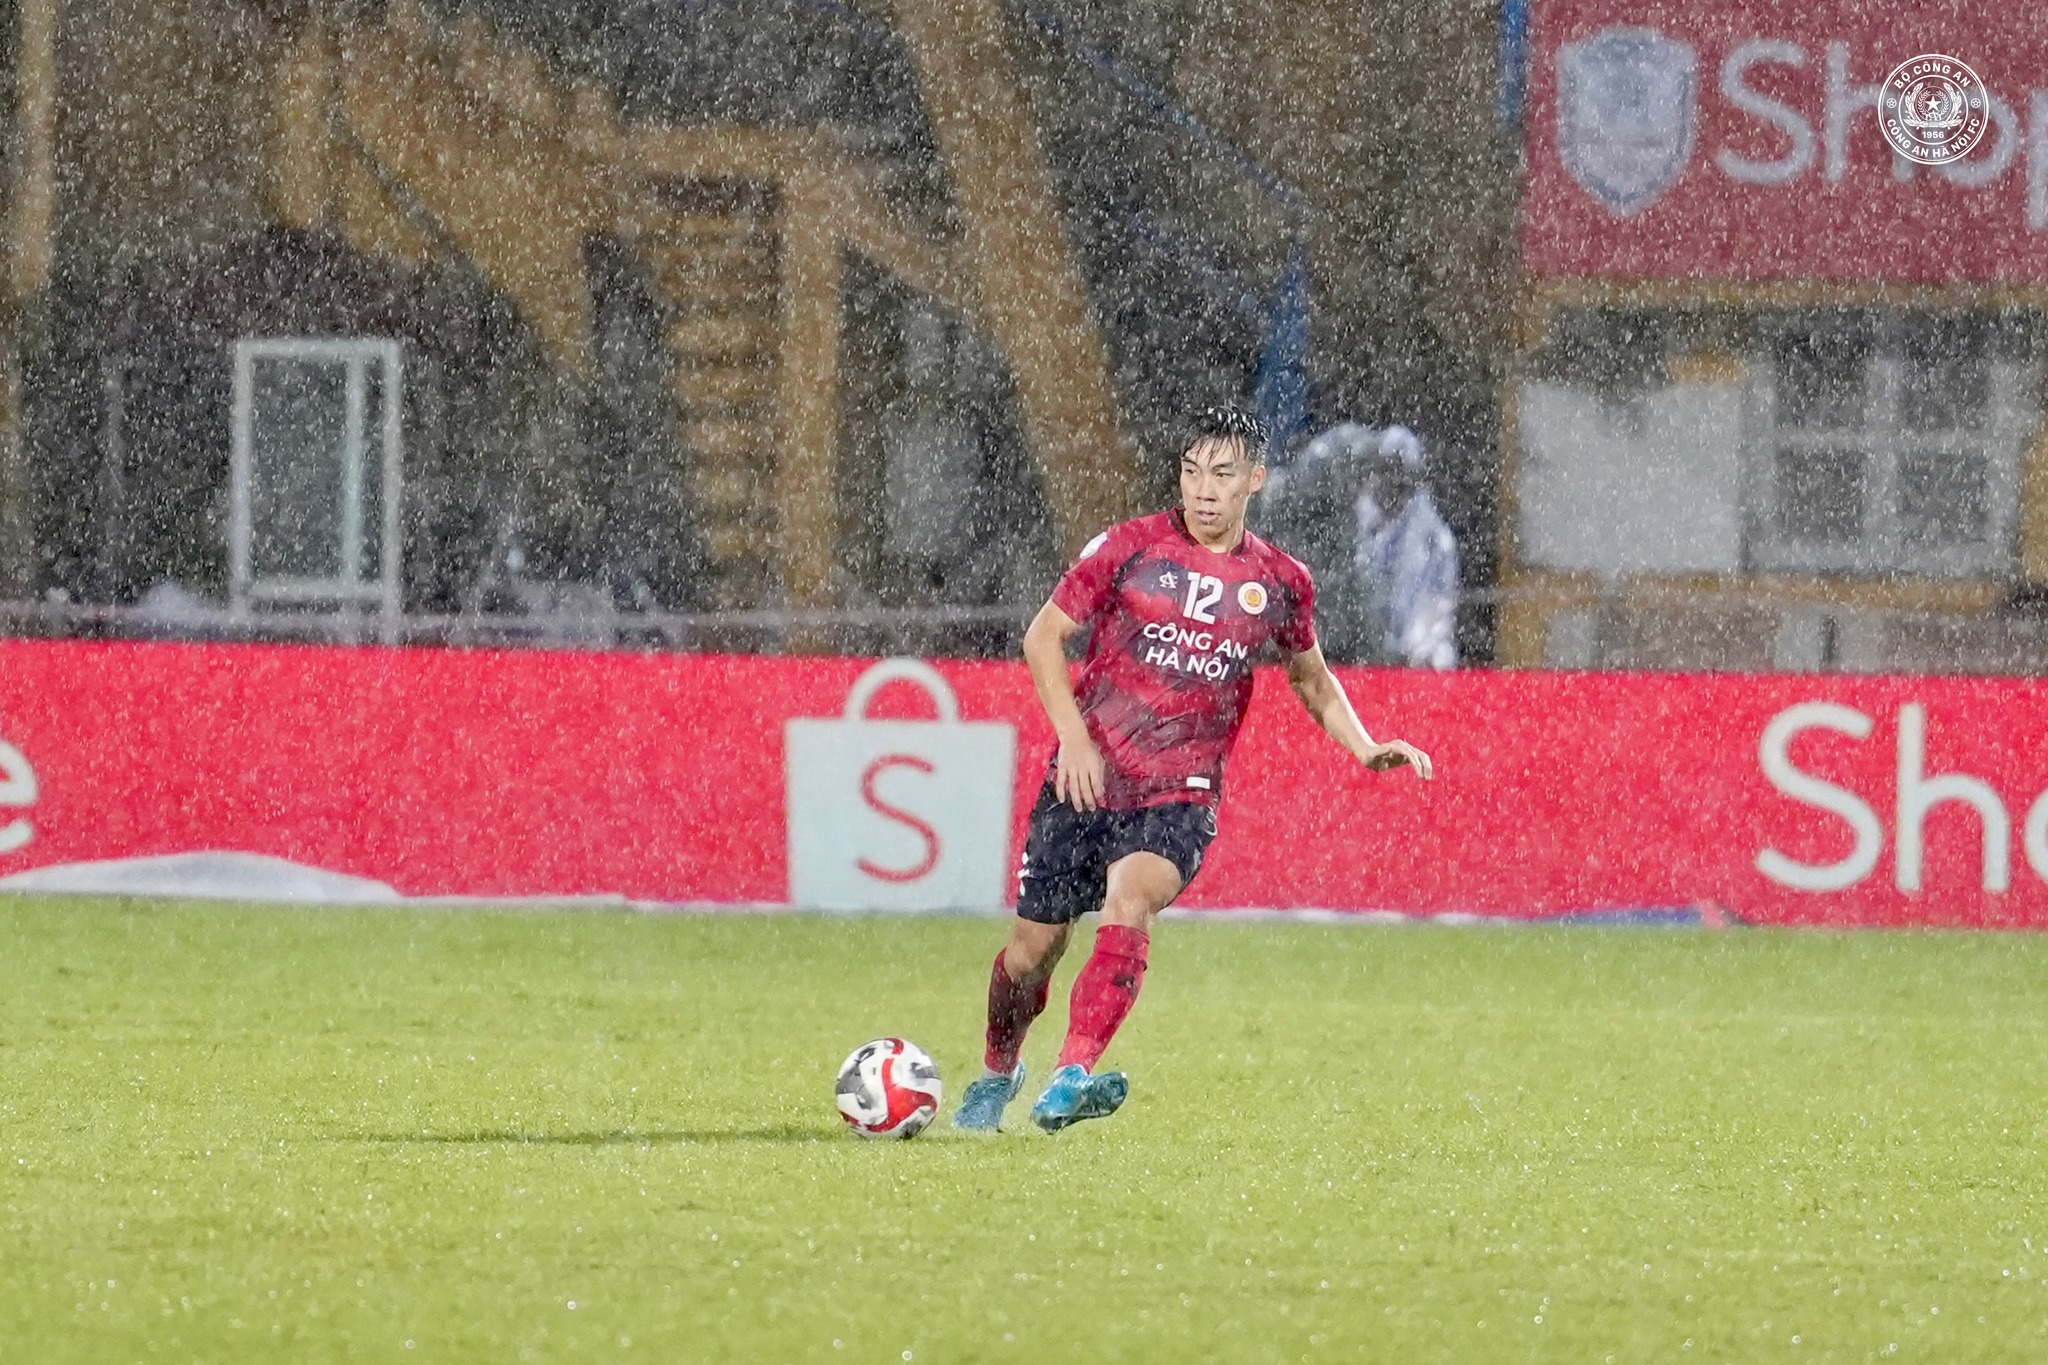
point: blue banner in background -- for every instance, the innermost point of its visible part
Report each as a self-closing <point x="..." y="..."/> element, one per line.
<point x="1283" y="385"/>
<point x="1514" y="62"/>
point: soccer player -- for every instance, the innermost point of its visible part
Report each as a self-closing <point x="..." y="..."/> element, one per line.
<point x="1180" y="604"/>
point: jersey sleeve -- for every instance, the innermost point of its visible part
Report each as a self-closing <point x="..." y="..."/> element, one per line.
<point x="1089" y="585"/>
<point x="1297" y="635"/>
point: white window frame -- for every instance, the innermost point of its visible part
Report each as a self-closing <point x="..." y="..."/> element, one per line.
<point x="1883" y="547"/>
<point x="351" y="588"/>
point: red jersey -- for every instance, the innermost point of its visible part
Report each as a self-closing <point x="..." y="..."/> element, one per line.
<point x="1169" y="669"/>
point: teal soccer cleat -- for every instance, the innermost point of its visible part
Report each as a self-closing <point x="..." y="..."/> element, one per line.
<point x="981" y="1108"/>
<point x="1074" y="1095"/>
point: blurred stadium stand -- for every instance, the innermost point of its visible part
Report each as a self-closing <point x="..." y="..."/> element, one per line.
<point x="653" y="267"/>
<point x="673" y="283"/>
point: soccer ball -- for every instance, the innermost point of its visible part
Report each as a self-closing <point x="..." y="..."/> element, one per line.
<point x="888" y="1088"/>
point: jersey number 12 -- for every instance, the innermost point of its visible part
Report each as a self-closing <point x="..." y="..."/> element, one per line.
<point x="1204" y="593"/>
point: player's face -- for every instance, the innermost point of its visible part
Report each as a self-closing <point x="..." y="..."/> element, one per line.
<point x="1217" y="480"/>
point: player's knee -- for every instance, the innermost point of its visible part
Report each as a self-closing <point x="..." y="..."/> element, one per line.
<point x="1031" y="957"/>
<point x="1131" y="910"/>
<point x="1135" y="901"/>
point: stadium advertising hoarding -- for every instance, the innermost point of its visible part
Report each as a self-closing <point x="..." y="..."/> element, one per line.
<point x="1741" y="142"/>
<point x="1783" y="798"/>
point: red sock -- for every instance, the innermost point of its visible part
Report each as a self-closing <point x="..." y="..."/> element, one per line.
<point x="1104" y="992"/>
<point x="1012" y="1006"/>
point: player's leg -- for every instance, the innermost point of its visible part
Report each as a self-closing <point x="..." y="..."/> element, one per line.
<point x="1156" y="853"/>
<point x="1140" y="886"/>
<point x="1018" y="985"/>
<point x="1061" y="877"/>
<point x="1035" y="949"/>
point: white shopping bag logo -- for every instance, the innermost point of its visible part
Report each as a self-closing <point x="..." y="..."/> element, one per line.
<point x="899" y="814"/>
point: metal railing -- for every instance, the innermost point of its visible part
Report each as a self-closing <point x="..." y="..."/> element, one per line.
<point x="1657" y="628"/>
<point x="938" y="630"/>
<point x="1760" y="629"/>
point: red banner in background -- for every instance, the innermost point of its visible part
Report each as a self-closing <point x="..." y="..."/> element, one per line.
<point x="1672" y="140"/>
<point x="1786" y="799"/>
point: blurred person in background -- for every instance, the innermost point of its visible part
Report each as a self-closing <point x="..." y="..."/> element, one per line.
<point x="932" y="466"/>
<point x="1309" y="508"/>
<point x="1404" y="556"/>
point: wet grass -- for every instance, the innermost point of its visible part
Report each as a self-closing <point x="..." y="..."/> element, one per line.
<point x="239" y="1134"/>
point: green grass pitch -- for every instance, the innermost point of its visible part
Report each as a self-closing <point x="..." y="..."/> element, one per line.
<point x="236" y="1134"/>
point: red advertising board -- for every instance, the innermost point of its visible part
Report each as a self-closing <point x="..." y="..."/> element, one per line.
<point x="1787" y="799"/>
<point x="1722" y="141"/>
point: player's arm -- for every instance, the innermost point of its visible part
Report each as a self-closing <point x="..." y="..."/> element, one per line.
<point x="1324" y="697"/>
<point x="1077" y="777"/>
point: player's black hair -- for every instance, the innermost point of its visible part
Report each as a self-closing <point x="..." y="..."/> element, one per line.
<point x="1228" y="424"/>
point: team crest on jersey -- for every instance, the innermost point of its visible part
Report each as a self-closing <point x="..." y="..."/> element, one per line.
<point x="1252" y="597"/>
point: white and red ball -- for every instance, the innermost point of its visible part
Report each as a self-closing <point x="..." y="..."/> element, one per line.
<point x="888" y="1088"/>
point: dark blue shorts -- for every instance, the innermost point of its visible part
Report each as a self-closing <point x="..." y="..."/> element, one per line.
<point x="1068" y="852"/>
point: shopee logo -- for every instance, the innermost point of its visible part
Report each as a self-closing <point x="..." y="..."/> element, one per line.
<point x="18" y="791"/>
<point x="1916" y="794"/>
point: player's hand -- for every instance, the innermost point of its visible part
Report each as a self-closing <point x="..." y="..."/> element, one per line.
<point x="1077" y="779"/>
<point x="1396" y="753"/>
